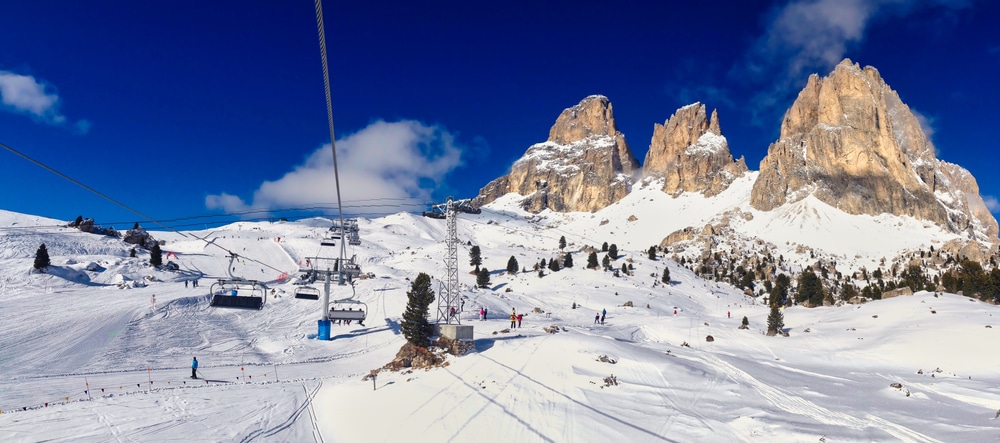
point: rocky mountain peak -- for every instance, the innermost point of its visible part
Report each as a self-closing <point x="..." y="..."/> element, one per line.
<point x="585" y="165"/>
<point x="850" y="141"/>
<point x="690" y="153"/>
<point x="593" y="116"/>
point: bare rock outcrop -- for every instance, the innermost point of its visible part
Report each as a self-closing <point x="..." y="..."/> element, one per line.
<point x="690" y="153"/>
<point x="585" y="165"/>
<point x="849" y="141"/>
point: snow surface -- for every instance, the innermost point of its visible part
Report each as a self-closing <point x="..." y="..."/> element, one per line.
<point x="85" y="361"/>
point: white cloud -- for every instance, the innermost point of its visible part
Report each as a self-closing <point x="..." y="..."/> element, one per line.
<point x="396" y="160"/>
<point x="992" y="203"/>
<point x="25" y="94"/>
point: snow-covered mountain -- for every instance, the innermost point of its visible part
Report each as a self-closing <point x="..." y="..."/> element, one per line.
<point x="87" y="361"/>
<point x="851" y="180"/>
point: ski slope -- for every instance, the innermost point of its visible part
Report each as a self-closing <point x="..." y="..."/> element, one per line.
<point x="112" y="367"/>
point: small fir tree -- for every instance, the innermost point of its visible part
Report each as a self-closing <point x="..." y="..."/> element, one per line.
<point x="483" y="278"/>
<point x="541" y="273"/>
<point x="651" y="253"/>
<point x="418" y="300"/>
<point x="592" y="260"/>
<point x="156" y="256"/>
<point x="554" y="265"/>
<point x="42" y="258"/>
<point x="746" y="322"/>
<point x="606" y="261"/>
<point x="613" y="251"/>
<point x="604" y="247"/>
<point x="568" y="261"/>
<point x="666" y="276"/>
<point x="542" y="265"/>
<point x="512" y="265"/>
<point x="775" y="320"/>
<point x="475" y="257"/>
<point x="624" y="269"/>
<point x="562" y="242"/>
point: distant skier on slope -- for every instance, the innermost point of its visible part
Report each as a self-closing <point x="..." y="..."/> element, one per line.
<point x="194" y="368"/>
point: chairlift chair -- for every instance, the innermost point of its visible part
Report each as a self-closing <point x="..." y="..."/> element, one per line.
<point x="238" y="293"/>
<point x="349" y="309"/>
<point x="307" y="293"/>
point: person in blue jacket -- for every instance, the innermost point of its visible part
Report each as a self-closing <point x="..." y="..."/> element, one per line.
<point x="194" y="368"/>
<point x="604" y="313"/>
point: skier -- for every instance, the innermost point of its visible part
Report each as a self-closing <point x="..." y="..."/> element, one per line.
<point x="152" y="302"/>
<point x="185" y="283"/>
<point x="729" y="314"/>
<point x="597" y="317"/>
<point x="486" y="313"/>
<point x="513" y="321"/>
<point x="194" y="368"/>
<point x="482" y="314"/>
<point x="604" y="313"/>
<point x="519" y="318"/>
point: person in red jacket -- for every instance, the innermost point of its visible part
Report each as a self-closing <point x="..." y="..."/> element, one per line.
<point x="519" y="318"/>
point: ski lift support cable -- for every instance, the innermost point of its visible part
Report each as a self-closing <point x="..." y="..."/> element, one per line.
<point x="333" y="143"/>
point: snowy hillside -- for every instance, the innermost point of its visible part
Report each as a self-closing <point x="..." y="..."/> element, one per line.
<point x="86" y="361"/>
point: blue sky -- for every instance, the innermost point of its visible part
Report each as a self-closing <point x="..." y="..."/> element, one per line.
<point x="183" y="109"/>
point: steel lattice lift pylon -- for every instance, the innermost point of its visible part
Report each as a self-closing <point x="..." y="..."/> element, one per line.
<point x="448" y="298"/>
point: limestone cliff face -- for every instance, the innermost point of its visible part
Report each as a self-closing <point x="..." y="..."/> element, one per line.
<point x="585" y="165"/>
<point x="690" y="153"/>
<point x="850" y="141"/>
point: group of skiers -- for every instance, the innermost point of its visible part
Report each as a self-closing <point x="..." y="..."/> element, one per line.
<point x="515" y="318"/>
<point x="599" y="317"/>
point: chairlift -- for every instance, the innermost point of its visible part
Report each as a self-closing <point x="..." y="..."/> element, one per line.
<point x="238" y="293"/>
<point x="349" y="309"/>
<point x="307" y="293"/>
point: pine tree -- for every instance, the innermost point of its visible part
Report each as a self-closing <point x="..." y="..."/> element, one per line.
<point x="475" y="257"/>
<point x="512" y="265"/>
<point x="554" y="265"/>
<point x="779" y="293"/>
<point x="483" y="278"/>
<point x="42" y="258"/>
<point x="624" y="269"/>
<point x="418" y="300"/>
<point x="651" y="253"/>
<point x="156" y="256"/>
<point x="775" y="320"/>
<point x="604" y="247"/>
<point x="810" y="288"/>
<point x="592" y="260"/>
<point x="568" y="261"/>
<point x="613" y="251"/>
<point x="746" y="322"/>
<point x="666" y="276"/>
<point x="606" y="261"/>
<point x="542" y="265"/>
<point x="541" y="273"/>
<point x="562" y="242"/>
